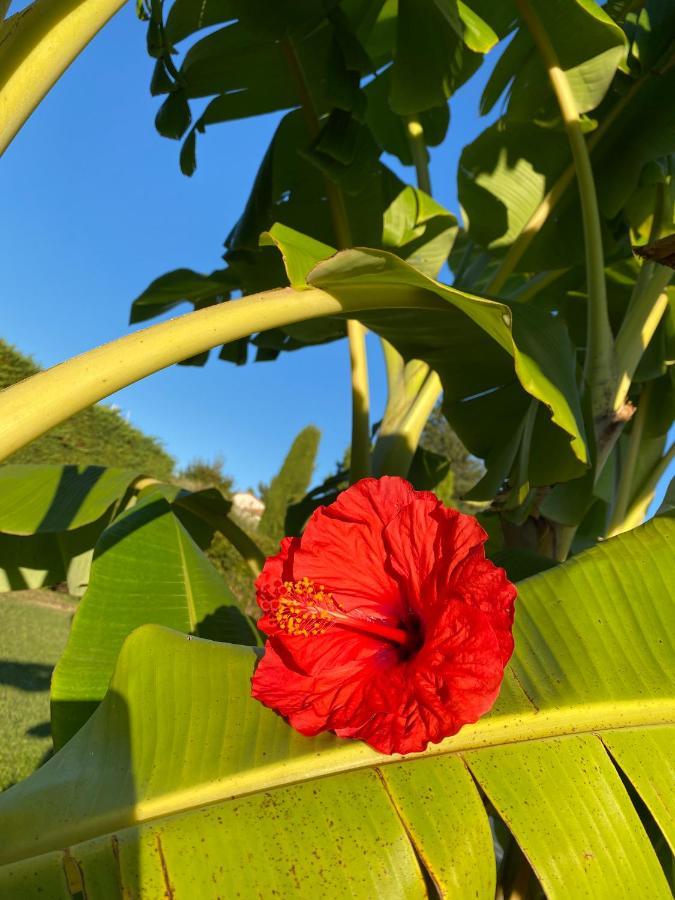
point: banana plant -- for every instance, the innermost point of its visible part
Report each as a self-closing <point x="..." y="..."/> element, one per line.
<point x="553" y="350"/>
<point x="201" y="791"/>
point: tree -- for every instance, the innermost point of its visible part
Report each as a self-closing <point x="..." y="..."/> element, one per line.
<point x="290" y="483"/>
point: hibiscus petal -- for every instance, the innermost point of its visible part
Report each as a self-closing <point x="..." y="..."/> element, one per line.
<point x="427" y="537"/>
<point x="316" y="655"/>
<point x="312" y="702"/>
<point x="342" y="547"/>
<point x="277" y="569"/>
<point x="481" y="584"/>
<point x="452" y="681"/>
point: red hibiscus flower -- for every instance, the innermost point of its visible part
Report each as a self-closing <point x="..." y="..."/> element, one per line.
<point x="385" y="620"/>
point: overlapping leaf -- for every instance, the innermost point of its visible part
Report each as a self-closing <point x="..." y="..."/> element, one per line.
<point x="439" y="45"/>
<point x="516" y="168"/>
<point x="592" y="668"/>
<point x="147" y="568"/>
<point x="589" y="47"/>
<point x="50" y="519"/>
<point x="524" y="353"/>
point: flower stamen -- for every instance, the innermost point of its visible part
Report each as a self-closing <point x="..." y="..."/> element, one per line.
<point x="301" y="609"/>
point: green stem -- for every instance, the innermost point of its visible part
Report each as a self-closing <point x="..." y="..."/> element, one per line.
<point x="418" y="149"/>
<point x="564" y="536"/>
<point x="644" y="495"/>
<point x="599" y="352"/>
<point x="394" y="367"/>
<point x="38" y="44"/>
<point x="535" y="285"/>
<point x="393" y="451"/>
<point x="356" y="332"/>
<point x="31" y="407"/>
<point x="413" y="394"/>
<point x="522" y="484"/>
<point x="420" y="410"/>
<point x="359" y="466"/>
<point x="627" y="477"/>
<point x="647" y="308"/>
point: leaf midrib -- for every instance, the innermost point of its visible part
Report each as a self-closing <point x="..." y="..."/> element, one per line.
<point x="189" y="595"/>
<point x="489" y="733"/>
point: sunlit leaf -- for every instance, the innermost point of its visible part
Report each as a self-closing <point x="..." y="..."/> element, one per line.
<point x="199" y="764"/>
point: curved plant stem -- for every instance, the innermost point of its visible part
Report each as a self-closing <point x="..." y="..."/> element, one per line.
<point x="31" y="407"/>
<point x="599" y="352"/>
<point x="627" y="477"/>
<point x="356" y="332"/>
<point x="38" y="44"/>
<point x="418" y="149"/>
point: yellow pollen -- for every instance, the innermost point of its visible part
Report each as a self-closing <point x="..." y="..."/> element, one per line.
<point x="302" y="609"/>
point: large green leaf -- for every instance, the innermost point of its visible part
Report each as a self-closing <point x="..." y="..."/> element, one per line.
<point x="439" y="45"/>
<point x="524" y="353"/>
<point x="180" y="773"/>
<point x="50" y="499"/>
<point x="588" y="44"/>
<point x="50" y="519"/>
<point x="179" y="286"/>
<point x="518" y="168"/>
<point x="266" y="58"/>
<point x="146" y="569"/>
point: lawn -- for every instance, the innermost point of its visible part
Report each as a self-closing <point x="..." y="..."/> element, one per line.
<point x="33" y="630"/>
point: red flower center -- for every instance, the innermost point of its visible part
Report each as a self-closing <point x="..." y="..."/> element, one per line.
<point x="302" y="610"/>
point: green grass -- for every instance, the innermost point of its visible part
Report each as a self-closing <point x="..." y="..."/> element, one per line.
<point x="34" y="626"/>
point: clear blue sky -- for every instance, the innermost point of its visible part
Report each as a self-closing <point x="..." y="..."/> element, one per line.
<point x="95" y="207"/>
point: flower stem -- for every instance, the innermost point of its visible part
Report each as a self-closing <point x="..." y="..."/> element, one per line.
<point x="33" y="406"/>
<point x="599" y="352"/>
<point x="356" y="332"/>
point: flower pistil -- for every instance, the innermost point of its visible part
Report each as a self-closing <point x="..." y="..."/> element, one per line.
<point x="302" y="609"/>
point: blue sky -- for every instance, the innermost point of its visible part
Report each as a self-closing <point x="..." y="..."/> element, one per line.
<point x="95" y="207"/>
